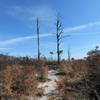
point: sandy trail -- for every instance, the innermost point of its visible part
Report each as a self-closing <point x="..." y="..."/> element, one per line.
<point x="49" y="86"/>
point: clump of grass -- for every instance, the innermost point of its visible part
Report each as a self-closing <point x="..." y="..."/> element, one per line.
<point x="40" y="92"/>
<point x="42" y="73"/>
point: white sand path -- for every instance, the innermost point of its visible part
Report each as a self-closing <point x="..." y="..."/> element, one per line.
<point x="49" y="86"/>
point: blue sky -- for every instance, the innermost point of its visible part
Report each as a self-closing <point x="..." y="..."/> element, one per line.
<point x="80" y="18"/>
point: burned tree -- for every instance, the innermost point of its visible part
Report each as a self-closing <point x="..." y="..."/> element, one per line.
<point x="69" y="54"/>
<point x="59" y="31"/>
<point x="38" y="38"/>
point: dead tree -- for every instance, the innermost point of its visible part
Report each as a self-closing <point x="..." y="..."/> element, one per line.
<point x="59" y="31"/>
<point x="69" y="54"/>
<point x="38" y="38"/>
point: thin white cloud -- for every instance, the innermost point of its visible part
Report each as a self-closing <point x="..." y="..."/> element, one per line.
<point x="5" y="48"/>
<point x="66" y="30"/>
<point x="80" y="27"/>
<point x="20" y="39"/>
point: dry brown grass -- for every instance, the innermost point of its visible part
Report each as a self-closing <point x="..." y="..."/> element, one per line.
<point x="74" y="70"/>
<point x="18" y="80"/>
<point x="40" y="92"/>
<point x="42" y="73"/>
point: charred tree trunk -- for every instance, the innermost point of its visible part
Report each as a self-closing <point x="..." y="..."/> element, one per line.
<point x="59" y="32"/>
<point x="38" y="39"/>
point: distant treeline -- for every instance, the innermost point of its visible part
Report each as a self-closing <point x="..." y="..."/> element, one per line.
<point x="6" y="60"/>
<point x="10" y="60"/>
